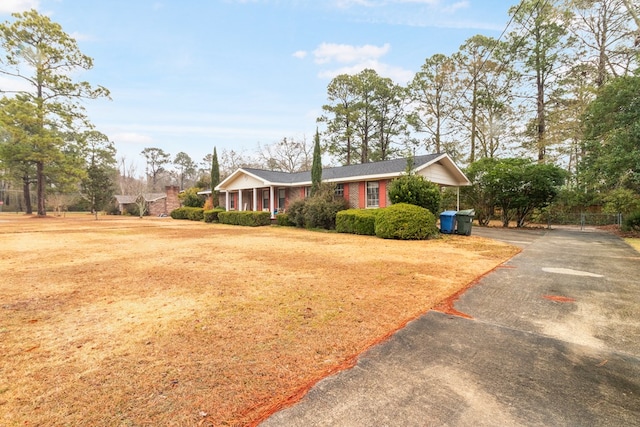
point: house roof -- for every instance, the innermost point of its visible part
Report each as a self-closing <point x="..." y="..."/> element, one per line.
<point x="374" y="170"/>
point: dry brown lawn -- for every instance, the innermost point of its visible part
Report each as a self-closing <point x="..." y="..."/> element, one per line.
<point x="129" y="322"/>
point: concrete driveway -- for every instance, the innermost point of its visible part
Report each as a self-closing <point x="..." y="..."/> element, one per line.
<point x="553" y="340"/>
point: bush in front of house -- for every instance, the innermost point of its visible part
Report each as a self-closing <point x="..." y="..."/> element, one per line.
<point x="282" y="219"/>
<point x="295" y="213"/>
<point x="320" y="212"/>
<point x="211" y="215"/>
<point x="631" y="222"/>
<point x="415" y="190"/>
<point x="186" y="212"/>
<point x="405" y="222"/>
<point x="246" y="218"/>
<point x="357" y="221"/>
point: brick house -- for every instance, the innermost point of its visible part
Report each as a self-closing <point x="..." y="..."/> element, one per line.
<point x="158" y="204"/>
<point x="363" y="185"/>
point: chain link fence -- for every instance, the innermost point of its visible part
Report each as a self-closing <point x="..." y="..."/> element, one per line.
<point x="582" y="219"/>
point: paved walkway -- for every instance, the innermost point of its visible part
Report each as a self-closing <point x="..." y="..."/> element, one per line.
<point x="554" y="340"/>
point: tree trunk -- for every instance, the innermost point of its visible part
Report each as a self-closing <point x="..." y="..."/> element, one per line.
<point x="474" y="118"/>
<point x="26" y="192"/>
<point x="541" y="128"/>
<point x="40" y="183"/>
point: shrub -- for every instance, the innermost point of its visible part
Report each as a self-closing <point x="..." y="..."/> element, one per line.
<point x="415" y="190"/>
<point x="319" y="212"/>
<point x="283" y="220"/>
<point x="295" y="213"/>
<point x="621" y="200"/>
<point x="191" y="198"/>
<point x="246" y="218"/>
<point x="632" y="222"/>
<point x="406" y="222"/>
<point x="186" y="212"/>
<point x="357" y="221"/>
<point x="208" y="204"/>
<point x="211" y="215"/>
<point x="180" y="213"/>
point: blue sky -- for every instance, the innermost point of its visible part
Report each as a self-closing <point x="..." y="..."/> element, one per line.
<point x="188" y="75"/>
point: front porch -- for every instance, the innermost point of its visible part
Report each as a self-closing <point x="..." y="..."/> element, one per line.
<point x="266" y="199"/>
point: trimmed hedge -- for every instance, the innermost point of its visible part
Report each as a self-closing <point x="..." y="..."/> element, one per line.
<point x="190" y="213"/>
<point x="246" y="218"/>
<point x="211" y="215"/>
<point x="357" y="221"/>
<point x="405" y="222"/>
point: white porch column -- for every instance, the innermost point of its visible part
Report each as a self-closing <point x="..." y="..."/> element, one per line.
<point x="272" y="205"/>
<point x="458" y="200"/>
<point x="226" y="200"/>
<point x="255" y="200"/>
<point x="240" y="200"/>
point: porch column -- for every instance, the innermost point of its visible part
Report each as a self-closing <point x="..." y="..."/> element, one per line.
<point x="226" y="200"/>
<point x="240" y="200"/>
<point x="255" y="199"/>
<point x="458" y="198"/>
<point x="272" y="206"/>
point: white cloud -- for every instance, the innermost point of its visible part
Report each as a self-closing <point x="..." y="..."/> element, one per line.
<point x="397" y="74"/>
<point x="300" y="54"/>
<point x="345" y="4"/>
<point x="11" y="6"/>
<point x="456" y="6"/>
<point x="14" y="85"/>
<point x="345" y="54"/>
<point x="353" y="59"/>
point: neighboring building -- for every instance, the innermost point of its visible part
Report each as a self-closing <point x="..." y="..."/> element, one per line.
<point x="157" y="203"/>
<point x="363" y="185"/>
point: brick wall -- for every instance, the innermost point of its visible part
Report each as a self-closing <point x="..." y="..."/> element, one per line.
<point x="172" y="201"/>
<point x="166" y="205"/>
<point x="354" y="195"/>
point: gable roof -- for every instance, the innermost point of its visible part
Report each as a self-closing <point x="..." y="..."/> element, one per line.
<point x="374" y="170"/>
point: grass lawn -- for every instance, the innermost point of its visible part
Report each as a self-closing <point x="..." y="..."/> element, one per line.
<point x="126" y="321"/>
<point x="634" y="242"/>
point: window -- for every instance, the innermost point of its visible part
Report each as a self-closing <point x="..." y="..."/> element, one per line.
<point x="232" y="201"/>
<point x="339" y="192"/>
<point x="373" y="194"/>
<point x="281" y="199"/>
<point x="307" y="192"/>
<point x="265" y="200"/>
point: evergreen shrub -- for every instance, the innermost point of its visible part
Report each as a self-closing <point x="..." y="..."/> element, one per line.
<point x="245" y="218"/>
<point x="186" y="212"/>
<point x="631" y="222"/>
<point x="282" y="219"/>
<point x="415" y="190"/>
<point x="320" y="212"/>
<point x="357" y="221"/>
<point x="211" y="215"/>
<point x="405" y="222"/>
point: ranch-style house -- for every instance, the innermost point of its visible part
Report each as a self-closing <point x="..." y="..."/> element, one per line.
<point x="363" y="185"/>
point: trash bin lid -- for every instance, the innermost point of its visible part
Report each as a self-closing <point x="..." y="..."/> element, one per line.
<point x="448" y="213"/>
<point x="467" y="212"/>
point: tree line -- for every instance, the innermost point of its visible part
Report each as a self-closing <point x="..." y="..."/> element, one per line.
<point x="559" y="86"/>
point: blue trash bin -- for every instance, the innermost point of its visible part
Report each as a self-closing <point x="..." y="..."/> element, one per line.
<point x="448" y="222"/>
